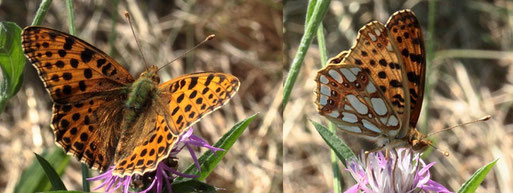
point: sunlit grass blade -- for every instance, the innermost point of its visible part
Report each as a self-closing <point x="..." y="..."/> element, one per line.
<point x="320" y="9"/>
<point x="12" y="61"/>
<point x="208" y="161"/>
<point x="475" y="180"/>
<point x="342" y="151"/>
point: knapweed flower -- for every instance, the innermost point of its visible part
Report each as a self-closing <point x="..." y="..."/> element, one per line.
<point x="405" y="172"/>
<point x="164" y="174"/>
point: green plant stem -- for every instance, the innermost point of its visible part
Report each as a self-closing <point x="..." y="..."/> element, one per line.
<point x="429" y="60"/>
<point x="41" y="12"/>
<point x="321" y="41"/>
<point x="71" y="17"/>
<point x="114" y="19"/>
<point x="321" y="8"/>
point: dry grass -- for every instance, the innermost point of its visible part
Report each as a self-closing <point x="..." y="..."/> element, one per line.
<point x="247" y="45"/>
<point x="465" y="85"/>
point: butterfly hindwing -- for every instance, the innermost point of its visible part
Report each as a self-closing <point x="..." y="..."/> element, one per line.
<point x="179" y="104"/>
<point x="190" y="97"/>
<point x="350" y="99"/>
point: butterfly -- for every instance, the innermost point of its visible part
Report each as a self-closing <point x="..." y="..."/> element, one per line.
<point x="103" y="116"/>
<point x="375" y="89"/>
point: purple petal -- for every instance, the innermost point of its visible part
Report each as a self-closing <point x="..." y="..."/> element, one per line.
<point x="353" y="189"/>
<point x="435" y="186"/>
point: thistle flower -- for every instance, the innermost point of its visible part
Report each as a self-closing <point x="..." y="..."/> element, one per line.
<point x="404" y="172"/>
<point x="164" y="174"/>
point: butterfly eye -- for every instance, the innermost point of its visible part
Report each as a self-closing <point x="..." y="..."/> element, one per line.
<point x="333" y="84"/>
<point x="346" y="85"/>
<point x="334" y="93"/>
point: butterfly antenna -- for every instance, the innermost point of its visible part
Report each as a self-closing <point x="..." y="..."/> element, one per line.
<point x="446" y="154"/>
<point x="211" y="36"/>
<point x="127" y="15"/>
<point x="485" y="118"/>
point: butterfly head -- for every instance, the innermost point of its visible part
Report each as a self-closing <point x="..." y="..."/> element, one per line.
<point x="151" y="73"/>
<point x="417" y="140"/>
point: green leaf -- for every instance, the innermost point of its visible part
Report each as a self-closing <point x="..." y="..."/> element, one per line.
<point x="55" y="179"/>
<point x="475" y="180"/>
<point x="33" y="178"/>
<point x="12" y="61"/>
<point x="320" y="9"/>
<point x="192" y="186"/>
<point x="208" y="161"/>
<point x="63" y="191"/>
<point x="342" y="151"/>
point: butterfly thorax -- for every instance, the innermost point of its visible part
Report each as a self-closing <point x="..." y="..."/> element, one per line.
<point x="140" y="94"/>
<point x="142" y="90"/>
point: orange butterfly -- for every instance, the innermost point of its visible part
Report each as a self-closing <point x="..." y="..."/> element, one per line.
<point x="103" y="116"/>
<point x="375" y="89"/>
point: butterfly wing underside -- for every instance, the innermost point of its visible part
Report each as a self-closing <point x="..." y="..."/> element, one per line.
<point x="84" y="83"/>
<point x="181" y="102"/>
<point x="350" y="99"/>
<point x="407" y="35"/>
<point x="377" y="55"/>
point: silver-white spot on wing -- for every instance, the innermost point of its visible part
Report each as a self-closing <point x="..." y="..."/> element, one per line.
<point x="377" y="31"/>
<point x="370" y="126"/>
<point x="370" y="88"/>
<point x="357" y="104"/>
<point x="335" y="75"/>
<point x="349" y="117"/>
<point x="392" y="121"/>
<point x="349" y="76"/>
<point x="355" y="70"/>
<point x="325" y="90"/>
<point x="323" y="79"/>
<point x="372" y="36"/>
<point x="389" y="47"/>
<point x="379" y="106"/>
<point x="334" y="114"/>
<point x="351" y="128"/>
<point x="383" y="120"/>
<point x="323" y="100"/>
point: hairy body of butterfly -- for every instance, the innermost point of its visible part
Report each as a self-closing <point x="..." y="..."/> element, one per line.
<point x="103" y="116"/>
<point x="375" y="89"/>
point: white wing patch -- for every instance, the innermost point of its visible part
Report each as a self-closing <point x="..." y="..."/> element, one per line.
<point x="335" y="75"/>
<point x="348" y="97"/>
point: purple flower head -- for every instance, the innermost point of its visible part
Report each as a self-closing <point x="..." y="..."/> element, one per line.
<point x="404" y="172"/>
<point x="163" y="175"/>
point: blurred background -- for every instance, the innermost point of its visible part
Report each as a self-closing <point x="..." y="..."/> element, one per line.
<point x="248" y="44"/>
<point x="470" y="75"/>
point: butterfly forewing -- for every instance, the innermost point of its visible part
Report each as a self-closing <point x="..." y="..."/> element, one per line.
<point x="350" y="99"/>
<point x="407" y="33"/>
<point x="71" y="69"/>
<point x="85" y="85"/>
<point x="181" y="102"/>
